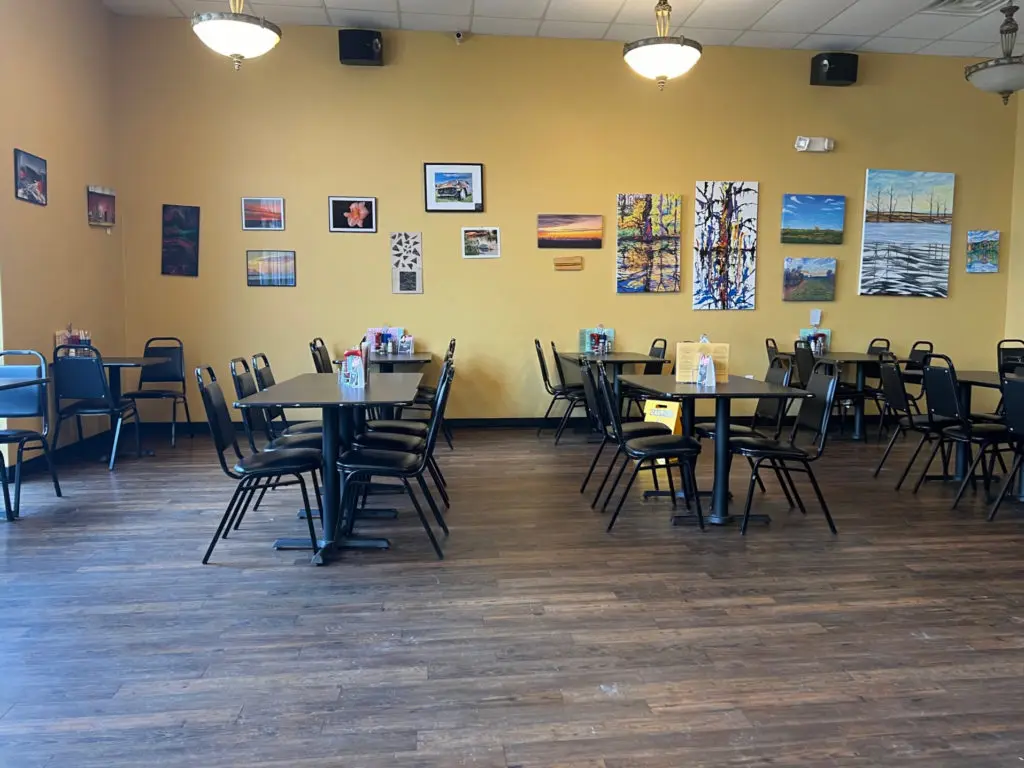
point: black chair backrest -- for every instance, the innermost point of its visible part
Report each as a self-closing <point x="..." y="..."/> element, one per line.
<point x="560" y="370"/>
<point x="918" y="352"/>
<point x="440" y="405"/>
<point x="894" y="389"/>
<point x="321" y="356"/>
<point x="941" y="389"/>
<point x="218" y="416"/>
<point x="575" y="367"/>
<point x="772" y="409"/>
<point x="543" y="367"/>
<point x="172" y="370"/>
<point x="658" y="349"/>
<point x="264" y="380"/>
<point x="1013" y="405"/>
<point x="1009" y="354"/>
<point x="80" y="376"/>
<point x="804" y="359"/>
<point x="30" y="401"/>
<point x="816" y="410"/>
<point x="595" y="403"/>
<point x="253" y="419"/>
<point x="877" y="346"/>
<point x="450" y="354"/>
<point x="611" y="408"/>
<point x="772" y="348"/>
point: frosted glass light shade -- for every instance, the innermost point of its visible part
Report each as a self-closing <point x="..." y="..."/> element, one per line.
<point x="1002" y="76"/>
<point x="238" y="36"/>
<point x="662" y="58"/>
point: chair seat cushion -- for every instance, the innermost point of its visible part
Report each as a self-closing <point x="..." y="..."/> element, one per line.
<point x="391" y="441"/>
<point x="706" y="429"/>
<point x="571" y="389"/>
<point x="921" y="422"/>
<point x="304" y="428"/>
<point x="18" y="435"/>
<point x="765" y="446"/>
<point x="398" y="427"/>
<point x="991" y="418"/>
<point x="980" y="431"/>
<point x="152" y="394"/>
<point x="632" y="430"/>
<point x="93" y="407"/>
<point x="293" y="460"/>
<point x="372" y="460"/>
<point x="662" y="445"/>
<point x="311" y="441"/>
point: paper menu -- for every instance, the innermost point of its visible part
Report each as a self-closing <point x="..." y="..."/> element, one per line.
<point x="688" y="354"/>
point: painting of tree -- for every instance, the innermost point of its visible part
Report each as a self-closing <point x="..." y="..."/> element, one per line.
<point x="725" y="245"/>
<point x="647" y="240"/>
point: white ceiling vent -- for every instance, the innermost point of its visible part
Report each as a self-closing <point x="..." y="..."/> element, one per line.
<point x="975" y="8"/>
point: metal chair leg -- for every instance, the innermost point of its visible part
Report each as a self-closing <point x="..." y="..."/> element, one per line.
<point x="309" y="515"/>
<point x="750" y="497"/>
<point x="782" y="482"/>
<point x="432" y="504"/>
<point x="1010" y="477"/>
<point x="174" y="422"/>
<point x="821" y="499"/>
<point x="437" y="470"/>
<point x="56" y="432"/>
<point x="117" y="437"/>
<point x="927" y="466"/>
<point x="547" y="413"/>
<point x="615" y="484"/>
<point x="970" y="473"/>
<point x="20" y="458"/>
<point x="423" y="519"/>
<point x="607" y="474"/>
<point x="625" y="493"/>
<point x="224" y="518"/>
<point x="925" y="437"/>
<point x="671" y="485"/>
<point x="53" y="470"/>
<point x="888" y="449"/>
<point x="240" y="511"/>
<point x="600" y="448"/>
<point x="565" y="420"/>
<point x="8" y="509"/>
<point x="435" y="474"/>
<point x="188" y="417"/>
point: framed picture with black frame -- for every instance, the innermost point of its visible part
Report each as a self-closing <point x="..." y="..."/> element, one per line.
<point x="270" y="269"/>
<point x="453" y="187"/>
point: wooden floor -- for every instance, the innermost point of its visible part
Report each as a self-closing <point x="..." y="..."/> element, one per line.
<point x="540" y="641"/>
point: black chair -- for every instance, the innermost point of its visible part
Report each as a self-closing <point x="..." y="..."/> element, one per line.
<point x="79" y="376"/>
<point x="1009" y="355"/>
<point x="277" y="419"/>
<point x="788" y="457"/>
<point x="942" y="393"/>
<point x="659" y="347"/>
<point x="31" y="402"/>
<point x="573" y="394"/>
<point x="557" y="391"/>
<point x="424" y="402"/>
<point x="769" y="410"/>
<point x="1013" y="411"/>
<point x="256" y="473"/>
<point x="360" y="465"/>
<point x="803" y="360"/>
<point x="255" y="420"/>
<point x="170" y="374"/>
<point x="426" y="392"/>
<point x="915" y="362"/>
<point x="321" y="356"/>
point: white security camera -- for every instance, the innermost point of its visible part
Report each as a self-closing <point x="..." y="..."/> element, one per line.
<point x="459" y="37"/>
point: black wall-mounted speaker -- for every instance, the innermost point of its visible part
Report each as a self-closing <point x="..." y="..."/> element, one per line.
<point x="361" y="47"/>
<point x="834" y="69"/>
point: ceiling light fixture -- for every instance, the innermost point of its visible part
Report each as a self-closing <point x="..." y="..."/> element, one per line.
<point x="1004" y="75"/>
<point x="664" y="57"/>
<point x="236" y="35"/>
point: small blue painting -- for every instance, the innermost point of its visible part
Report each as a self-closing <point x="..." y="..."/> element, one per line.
<point x="813" y="219"/>
<point x="982" y="251"/>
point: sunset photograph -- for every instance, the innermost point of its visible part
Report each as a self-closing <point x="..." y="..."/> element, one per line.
<point x="569" y="230"/>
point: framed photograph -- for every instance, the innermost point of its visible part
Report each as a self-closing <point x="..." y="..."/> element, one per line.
<point x="266" y="269"/>
<point x="265" y="213"/>
<point x="100" y="203"/>
<point x="353" y="214"/>
<point x="179" y="252"/>
<point x="481" y="243"/>
<point x="569" y="230"/>
<point x="29" y="177"/>
<point x="454" y="187"/>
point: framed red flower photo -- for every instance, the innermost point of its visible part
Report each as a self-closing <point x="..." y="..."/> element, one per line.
<point x="353" y="214"/>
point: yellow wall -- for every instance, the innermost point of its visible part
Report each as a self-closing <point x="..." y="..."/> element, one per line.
<point x="57" y="101"/>
<point x="561" y="126"/>
<point x="1012" y="251"/>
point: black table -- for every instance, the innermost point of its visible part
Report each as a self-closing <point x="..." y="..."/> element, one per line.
<point x="114" y="366"/>
<point x="338" y="405"/>
<point x="737" y="388"/>
<point x="859" y="360"/>
<point x="615" y="361"/>
<point x="387" y="363"/>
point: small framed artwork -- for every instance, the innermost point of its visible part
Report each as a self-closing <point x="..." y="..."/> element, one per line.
<point x="266" y="269"/>
<point x="809" y="280"/>
<point x="266" y="213"/>
<point x="29" y="177"/>
<point x="569" y="230"/>
<point x="481" y="243"/>
<point x="353" y="214"/>
<point x="453" y="187"/>
<point x="982" y="251"/>
<point x="179" y="253"/>
<point x="406" y="262"/>
<point x="100" y="202"/>
<point x="813" y="219"/>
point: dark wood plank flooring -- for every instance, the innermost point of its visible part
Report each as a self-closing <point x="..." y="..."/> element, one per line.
<point x="541" y="641"/>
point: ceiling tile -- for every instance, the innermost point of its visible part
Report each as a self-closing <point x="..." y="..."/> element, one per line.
<point x="952" y="48"/>
<point x="434" y="22"/>
<point x="363" y="19"/>
<point x="872" y="17"/>
<point x="893" y="45"/>
<point x="485" y="26"/>
<point x="164" y="8"/>
<point x="801" y="15"/>
<point x="189" y="7"/>
<point x="984" y="30"/>
<point x="930" y="26"/>
<point x="832" y="42"/>
<point x="627" y="33"/>
<point x="291" y="14"/>
<point x="510" y="9"/>
<point x="709" y="36"/>
<point x="769" y="39"/>
<point x="446" y="7"/>
<point x="585" y="29"/>
<point x="291" y="3"/>
<point x="729" y="14"/>
<point x="642" y="11"/>
<point x="389" y="6"/>
<point x="585" y="10"/>
<point x="996" y="51"/>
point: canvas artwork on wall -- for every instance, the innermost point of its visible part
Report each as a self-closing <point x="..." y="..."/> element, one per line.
<point x="569" y="230"/>
<point x="179" y="253"/>
<point x="809" y="280"/>
<point x="725" y="245"/>
<point x="29" y="178"/>
<point x="647" y="243"/>
<point x="481" y="243"/>
<point x="101" y="205"/>
<point x="982" y="251"/>
<point x="353" y="214"/>
<point x="453" y="187"/>
<point x="813" y="219"/>
<point x="270" y="268"/>
<point x="266" y="213"/>
<point x="908" y="225"/>
<point x="406" y="262"/>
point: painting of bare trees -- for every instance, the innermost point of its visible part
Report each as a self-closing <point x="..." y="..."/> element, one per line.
<point x="647" y="242"/>
<point x="908" y="225"/>
<point x="725" y="245"/>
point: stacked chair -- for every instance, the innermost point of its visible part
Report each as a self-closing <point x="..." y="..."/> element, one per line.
<point x="277" y="419"/>
<point x="659" y="348"/>
<point x="572" y="396"/>
<point x="1013" y="412"/>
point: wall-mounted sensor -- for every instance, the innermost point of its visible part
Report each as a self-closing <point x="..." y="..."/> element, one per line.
<point x="814" y="144"/>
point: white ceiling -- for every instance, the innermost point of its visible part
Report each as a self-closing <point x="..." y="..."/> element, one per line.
<point x="887" y="26"/>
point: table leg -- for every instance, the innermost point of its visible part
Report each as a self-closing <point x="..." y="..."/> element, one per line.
<point x="858" y="406"/>
<point x="962" y="460"/>
<point x="114" y="376"/>
<point x="689" y="416"/>
<point x="386" y="411"/>
<point x="723" y="463"/>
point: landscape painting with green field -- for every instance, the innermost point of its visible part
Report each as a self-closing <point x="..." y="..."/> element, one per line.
<point x="809" y="280"/>
<point x="813" y="219"/>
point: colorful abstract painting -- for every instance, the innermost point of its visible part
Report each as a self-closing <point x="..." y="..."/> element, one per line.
<point x="725" y="245"/>
<point x="809" y="280"/>
<point x="813" y="219"/>
<point x="982" y="251"/>
<point x="270" y="268"/>
<point x="569" y="230"/>
<point x="647" y="240"/>
<point x="908" y="226"/>
<point x="179" y="254"/>
<point x="406" y="262"/>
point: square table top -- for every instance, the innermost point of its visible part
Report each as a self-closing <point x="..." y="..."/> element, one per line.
<point x="323" y="390"/>
<point x="20" y="381"/>
<point x="736" y="387"/>
<point x="988" y="379"/>
<point x="613" y="358"/>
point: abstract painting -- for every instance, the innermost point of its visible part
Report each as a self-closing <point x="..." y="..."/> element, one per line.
<point x="453" y="187"/>
<point x="982" y="251"/>
<point x="101" y="204"/>
<point x="813" y="219"/>
<point x="569" y="230"/>
<point x="179" y="253"/>
<point x="647" y="243"/>
<point x="809" y="280"/>
<point x="481" y="243"/>
<point x="353" y="214"/>
<point x="908" y="225"/>
<point x="270" y="268"/>
<point x="725" y="245"/>
<point x="263" y="213"/>
<point x="406" y="262"/>
<point x="29" y="177"/>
